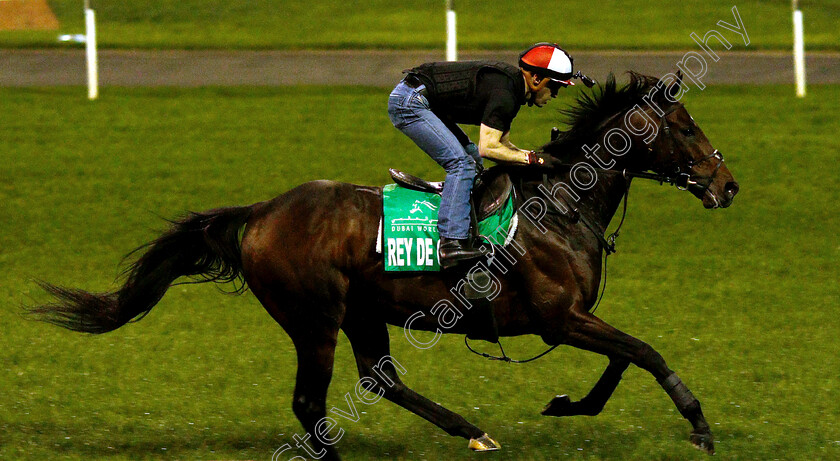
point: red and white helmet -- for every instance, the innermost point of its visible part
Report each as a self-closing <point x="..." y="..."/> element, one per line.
<point x="548" y="60"/>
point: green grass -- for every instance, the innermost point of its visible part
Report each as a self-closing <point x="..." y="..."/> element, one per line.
<point x="297" y="24"/>
<point x="741" y="302"/>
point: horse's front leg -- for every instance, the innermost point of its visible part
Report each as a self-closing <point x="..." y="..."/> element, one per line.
<point x="595" y="400"/>
<point x="588" y="332"/>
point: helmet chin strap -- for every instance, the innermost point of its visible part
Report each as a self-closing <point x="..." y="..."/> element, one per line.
<point x="533" y="88"/>
<point x="531" y="100"/>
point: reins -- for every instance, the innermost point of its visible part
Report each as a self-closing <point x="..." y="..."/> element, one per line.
<point x="504" y="357"/>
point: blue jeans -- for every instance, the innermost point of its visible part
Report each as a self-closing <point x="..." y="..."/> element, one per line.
<point x="410" y="113"/>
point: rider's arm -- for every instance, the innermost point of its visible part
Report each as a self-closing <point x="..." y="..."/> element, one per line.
<point x="495" y="145"/>
<point x="505" y="140"/>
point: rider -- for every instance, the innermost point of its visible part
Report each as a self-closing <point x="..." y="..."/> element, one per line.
<point x="434" y="97"/>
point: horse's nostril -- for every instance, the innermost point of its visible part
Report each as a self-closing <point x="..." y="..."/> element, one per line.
<point x="731" y="188"/>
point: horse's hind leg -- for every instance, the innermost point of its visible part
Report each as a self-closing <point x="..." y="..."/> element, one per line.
<point x="314" y="338"/>
<point x="588" y="332"/>
<point x="379" y="375"/>
<point x="315" y="354"/>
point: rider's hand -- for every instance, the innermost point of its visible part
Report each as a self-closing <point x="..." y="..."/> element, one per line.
<point x="540" y="159"/>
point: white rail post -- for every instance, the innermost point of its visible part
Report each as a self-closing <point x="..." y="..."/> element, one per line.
<point x="451" y="35"/>
<point x="90" y="52"/>
<point x="798" y="50"/>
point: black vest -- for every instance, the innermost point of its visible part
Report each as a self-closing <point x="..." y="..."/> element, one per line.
<point x="456" y="81"/>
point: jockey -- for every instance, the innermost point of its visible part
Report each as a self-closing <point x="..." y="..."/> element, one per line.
<point x="434" y="97"/>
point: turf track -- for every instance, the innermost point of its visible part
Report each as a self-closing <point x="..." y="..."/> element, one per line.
<point x="378" y="24"/>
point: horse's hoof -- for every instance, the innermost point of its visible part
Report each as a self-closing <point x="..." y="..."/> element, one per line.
<point x="559" y="406"/>
<point x="484" y="443"/>
<point x="703" y="441"/>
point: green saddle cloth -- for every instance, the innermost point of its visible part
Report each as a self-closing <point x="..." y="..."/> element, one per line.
<point x="410" y="237"/>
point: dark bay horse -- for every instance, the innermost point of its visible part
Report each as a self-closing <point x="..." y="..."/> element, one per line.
<point x="309" y="257"/>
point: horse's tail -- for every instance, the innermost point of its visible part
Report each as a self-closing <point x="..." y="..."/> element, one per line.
<point x="205" y="246"/>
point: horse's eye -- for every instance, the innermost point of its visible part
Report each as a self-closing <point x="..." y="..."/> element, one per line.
<point x="687" y="132"/>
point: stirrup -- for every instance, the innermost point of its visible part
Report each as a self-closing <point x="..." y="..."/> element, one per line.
<point x="449" y="263"/>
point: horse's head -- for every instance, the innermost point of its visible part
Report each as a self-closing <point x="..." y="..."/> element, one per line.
<point x="681" y="150"/>
<point x="643" y="127"/>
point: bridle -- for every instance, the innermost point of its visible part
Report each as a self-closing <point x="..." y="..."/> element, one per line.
<point x="681" y="174"/>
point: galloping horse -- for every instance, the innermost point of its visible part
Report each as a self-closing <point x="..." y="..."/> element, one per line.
<point x="309" y="257"/>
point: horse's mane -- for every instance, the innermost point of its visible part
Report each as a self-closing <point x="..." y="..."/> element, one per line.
<point x="592" y="109"/>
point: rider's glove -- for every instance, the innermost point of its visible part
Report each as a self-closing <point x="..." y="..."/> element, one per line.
<point x="540" y="159"/>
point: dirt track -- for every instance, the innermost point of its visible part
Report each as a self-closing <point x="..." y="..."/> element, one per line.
<point x="370" y="68"/>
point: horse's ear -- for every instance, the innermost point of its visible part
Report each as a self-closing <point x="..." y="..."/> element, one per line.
<point x="679" y="79"/>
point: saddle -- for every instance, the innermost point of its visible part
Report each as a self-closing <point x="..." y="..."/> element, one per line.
<point x="490" y="192"/>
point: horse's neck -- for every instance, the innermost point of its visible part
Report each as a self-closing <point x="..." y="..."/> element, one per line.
<point x="597" y="203"/>
<point x="601" y="202"/>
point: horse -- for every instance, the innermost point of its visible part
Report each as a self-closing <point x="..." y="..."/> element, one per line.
<point x="309" y="257"/>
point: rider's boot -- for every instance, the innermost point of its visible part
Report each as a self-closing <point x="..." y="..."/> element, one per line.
<point x="453" y="251"/>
